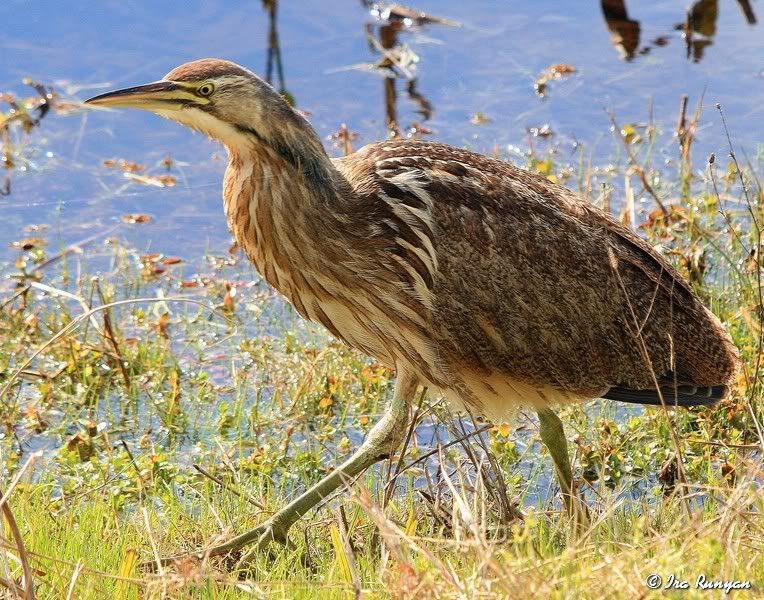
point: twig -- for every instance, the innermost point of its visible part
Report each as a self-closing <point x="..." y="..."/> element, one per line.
<point x="759" y="283"/>
<point x="725" y="445"/>
<point x="680" y="126"/>
<point x="75" y="247"/>
<point x="12" y="585"/>
<point x="723" y="212"/>
<point x="20" y="548"/>
<point x="646" y="357"/>
<point x="154" y="549"/>
<point x="498" y="490"/>
<point x="458" y="440"/>
<point x="636" y="166"/>
<point x="64" y="294"/>
<point x="349" y="552"/>
<point x="73" y="580"/>
<point x="18" y="294"/>
<point x="109" y="333"/>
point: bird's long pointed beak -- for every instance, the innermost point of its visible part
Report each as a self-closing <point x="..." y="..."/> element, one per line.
<point x="160" y="95"/>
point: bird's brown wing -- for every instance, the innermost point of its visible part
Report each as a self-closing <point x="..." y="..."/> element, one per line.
<point x="534" y="283"/>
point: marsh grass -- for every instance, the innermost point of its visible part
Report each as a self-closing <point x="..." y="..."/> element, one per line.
<point x="170" y="409"/>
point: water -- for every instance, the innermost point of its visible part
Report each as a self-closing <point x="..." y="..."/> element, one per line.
<point x="487" y="65"/>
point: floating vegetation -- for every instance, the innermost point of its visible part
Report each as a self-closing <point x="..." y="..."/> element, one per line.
<point x="480" y="119"/>
<point x="404" y="16"/>
<point x="20" y="118"/>
<point x="551" y="73"/>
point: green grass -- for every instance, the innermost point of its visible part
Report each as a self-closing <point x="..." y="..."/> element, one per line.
<point x="116" y="411"/>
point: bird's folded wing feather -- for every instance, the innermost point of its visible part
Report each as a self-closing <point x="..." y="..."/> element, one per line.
<point x="530" y="281"/>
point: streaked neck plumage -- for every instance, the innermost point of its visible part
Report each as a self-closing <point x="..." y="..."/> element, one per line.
<point x="281" y="195"/>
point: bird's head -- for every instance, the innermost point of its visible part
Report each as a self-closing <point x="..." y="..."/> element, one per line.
<point x="226" y="102"/>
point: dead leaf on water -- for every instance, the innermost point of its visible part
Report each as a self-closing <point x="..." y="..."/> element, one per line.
<point x="124" y="165"/>
<point x="559" y="70"/>
<point x="151" y="271"/>
<point x="82" y="445"/>
<point x="34" y="228"/>
<point x="162" y="325"/>
<point x="167" y="180"/>
<point x="479" y="118"/>
<point x="409" y="16"/>
<point x="552" y="73"/>
<point x="228" y="300"/>
<point x="155" y="180"/>
<point x="416" y="129"/>
<point x="136" y="218"/>
<point x="29" y="243"/>
<point x="152" y="265"/>
<point x="544" y="131"/>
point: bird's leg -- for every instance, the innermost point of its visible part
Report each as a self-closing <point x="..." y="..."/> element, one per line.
<point x="382" y="441"/>
<point x="553" y="436"/>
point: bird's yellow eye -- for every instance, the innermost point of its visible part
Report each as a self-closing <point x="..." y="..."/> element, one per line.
<point x="205" y="89"/>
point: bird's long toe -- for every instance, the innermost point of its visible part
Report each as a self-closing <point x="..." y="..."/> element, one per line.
<point x="270" y="535"/>
<point x="261" y="538"/>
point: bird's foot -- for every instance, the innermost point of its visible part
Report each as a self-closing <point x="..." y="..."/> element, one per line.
<point x="256" y="540"/>
<point x="269" y="535"/>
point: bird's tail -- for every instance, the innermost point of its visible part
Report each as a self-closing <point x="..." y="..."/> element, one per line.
<point x="673" y="395"/>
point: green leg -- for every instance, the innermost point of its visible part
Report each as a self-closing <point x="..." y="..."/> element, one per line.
<point x="553" y="436"/>
<point x="382" y="441"/>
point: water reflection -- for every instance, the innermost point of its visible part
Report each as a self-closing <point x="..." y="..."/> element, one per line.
<point x="698" y="28"/>
<point x="398" y="62"/>
<point x="27" y="113"/>
<point x="624" y="32"/>
<point x="745" y="6"/>
<point x="274" y="51"/>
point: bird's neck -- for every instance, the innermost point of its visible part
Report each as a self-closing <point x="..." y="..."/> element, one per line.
<point x="280" y="201"/>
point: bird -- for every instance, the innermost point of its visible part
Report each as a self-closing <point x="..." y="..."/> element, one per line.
<point x="480" y="281"/>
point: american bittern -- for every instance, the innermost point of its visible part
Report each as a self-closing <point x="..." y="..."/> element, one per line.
<point x="478" y="280"/>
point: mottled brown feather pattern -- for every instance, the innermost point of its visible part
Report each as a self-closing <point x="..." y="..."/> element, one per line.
<point x="530" y="261"/>
<point x="491" y="283"/>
